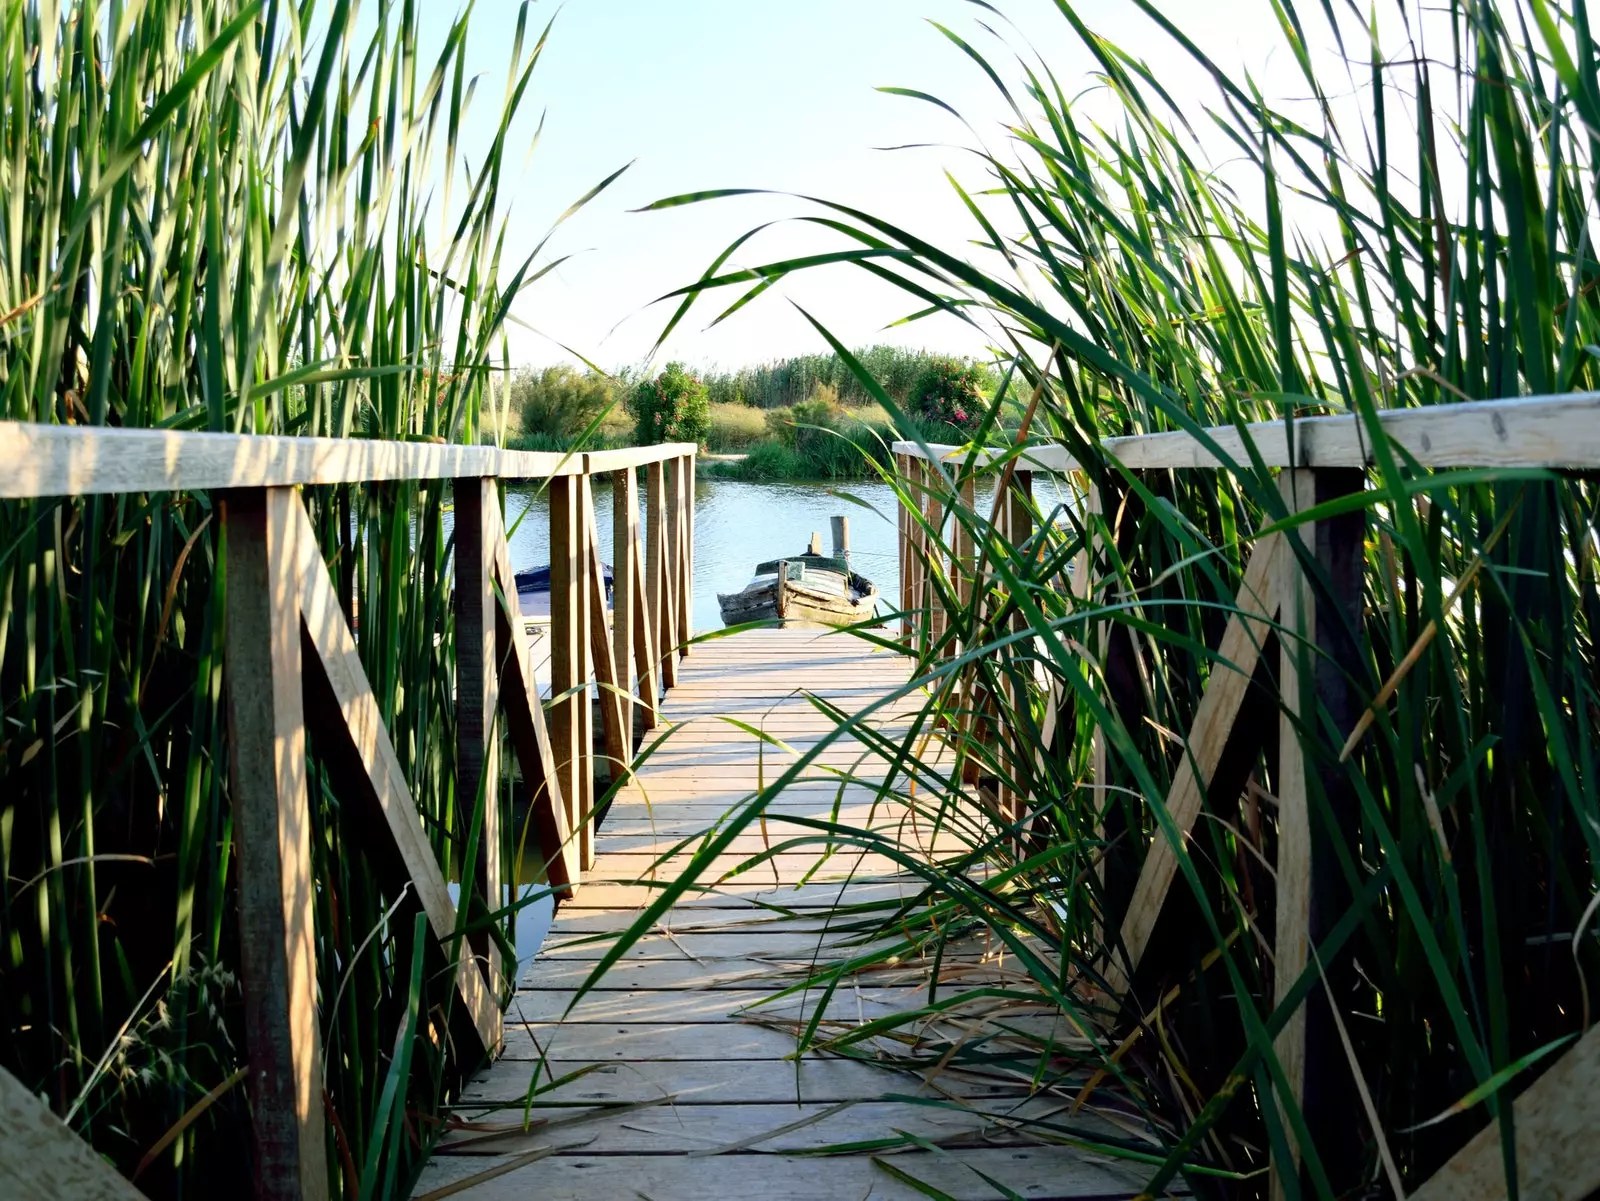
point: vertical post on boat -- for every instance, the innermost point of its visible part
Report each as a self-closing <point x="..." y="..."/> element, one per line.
<point x="781" y="603"/>
<point x="477" y="503"/>
<point x="841" y="538"/>
<point x="272" y="829"/>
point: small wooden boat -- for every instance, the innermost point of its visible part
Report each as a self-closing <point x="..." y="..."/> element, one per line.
<point x="805" y="589"/>
<point x="533" y="592"/>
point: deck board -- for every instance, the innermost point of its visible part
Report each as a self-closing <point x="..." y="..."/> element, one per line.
<point x="705" y="1103"/>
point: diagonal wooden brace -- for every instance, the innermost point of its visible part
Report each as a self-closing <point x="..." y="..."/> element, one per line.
<point x="368" y="772"/>
<point x="1246" y="633"/>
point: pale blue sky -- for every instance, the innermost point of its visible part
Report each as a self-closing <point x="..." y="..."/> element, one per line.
<point x="755" y="93"/>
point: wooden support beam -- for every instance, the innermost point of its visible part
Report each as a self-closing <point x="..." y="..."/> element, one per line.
<point x="658" y="571"/>
<point x="678" y="552"/>
<point x="688" y="550"/>
<point x="1293" y="872"/>
<point x="354" y="745"/>
<point x="1557" y="1125"/>
<point x="646" y="661"/>
<point x="272" y="831"/>
<point x="569" y="657"/>
<point x="618" y="735"/>
<point x="525" y="723"/>
<point x="625" y="591"/>
<point x="936" y="559"/>
<point x="1246" y="634"/>
<point x="41" y="1159"/>
<point x="478" y="696"/>
<point x="1329" y="1098"/>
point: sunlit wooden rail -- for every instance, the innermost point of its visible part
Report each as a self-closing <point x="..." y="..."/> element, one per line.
<point x="1320" y="459"/>
<point x="291" y="659"/>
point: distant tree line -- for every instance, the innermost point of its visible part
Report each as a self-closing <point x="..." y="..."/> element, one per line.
<point x="790" y="381"/>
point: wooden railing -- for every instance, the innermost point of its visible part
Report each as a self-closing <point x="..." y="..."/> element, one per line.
<point x="1320" y="459"/>
<point x="291" y="658"/>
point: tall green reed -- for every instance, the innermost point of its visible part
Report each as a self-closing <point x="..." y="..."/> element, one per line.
<point x="1437" y="249"/>
<point x="228" y="216"/>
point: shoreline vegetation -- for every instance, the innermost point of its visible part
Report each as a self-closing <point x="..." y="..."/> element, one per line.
<point x="803" y="419"/>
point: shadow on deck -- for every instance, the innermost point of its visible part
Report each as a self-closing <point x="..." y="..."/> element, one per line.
<point x="677" y="1078"/>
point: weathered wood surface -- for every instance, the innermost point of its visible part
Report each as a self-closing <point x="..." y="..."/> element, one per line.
<point x="41" y="1159"/>
<point x="678" y="1025"/>
<point x="72" y="460"/>
<point x="272" y="830"/>
<point x="1534" y="431"/>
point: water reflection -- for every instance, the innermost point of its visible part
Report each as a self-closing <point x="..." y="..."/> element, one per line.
<point x="736" y="525"/>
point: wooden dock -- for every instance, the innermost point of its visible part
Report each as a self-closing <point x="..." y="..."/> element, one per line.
<point x="668" y="1088"/>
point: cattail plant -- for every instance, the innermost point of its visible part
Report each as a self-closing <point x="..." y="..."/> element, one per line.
<point x="239" y="217"/>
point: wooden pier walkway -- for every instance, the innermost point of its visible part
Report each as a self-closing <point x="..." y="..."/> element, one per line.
<point x="669" y="1090"/>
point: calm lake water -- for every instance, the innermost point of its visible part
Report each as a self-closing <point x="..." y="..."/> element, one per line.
<point x="736" y="526"/>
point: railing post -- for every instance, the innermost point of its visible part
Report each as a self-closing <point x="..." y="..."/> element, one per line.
<point x="1319" y="660"/>
<point x="1017" y="516"/>
<point x="272" y="829"/>
<point x="478" y="693"/>
<point x="658" y="569"/>
<point x="569" y="656"/>
<point x="624" y="583"/>
<point x="678" y="503"/>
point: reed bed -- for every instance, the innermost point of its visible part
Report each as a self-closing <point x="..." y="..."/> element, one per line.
<point x="246" y="217"/>
<point x="1440" y="250"/>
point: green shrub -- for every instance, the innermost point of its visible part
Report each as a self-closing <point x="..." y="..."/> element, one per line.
<point x="771" y="461"/>
<point x="673" y="407"/>
<point x="560" y="401"/>
<point x="951" y="392"/>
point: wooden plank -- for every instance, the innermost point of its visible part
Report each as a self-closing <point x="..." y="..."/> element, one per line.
<point x="62" y="460"/>
<point x="41" y="1159"/>
<point x="772" y="1126"/>
<point x="478" y="696"/>
<point x="646" y="661"/>
<point x="354" y="744"/>
<point x="615" y="724"/>
<point x="704" y="1082"/>
<point x="1339" y="677"/>
<point x="1050" y="1172"/>
<point x="525" y="723"/>
<point x="628" y="457"/>
<point x="659" y="575"/>
<point x="1534" y="431"/>
<point x="625" y="590"/>
<point x="1293" y="870"/>
<point x="272" y="831"/>
<point x="1558" y="1128"/>
<point x="569" y="658"/>
<point x="1242" y="641"/>
<point x="678" y="551"/>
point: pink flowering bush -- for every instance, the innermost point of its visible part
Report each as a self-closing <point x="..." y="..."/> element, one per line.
<point x="950" y="392"/>
<point x="673" y="407"/>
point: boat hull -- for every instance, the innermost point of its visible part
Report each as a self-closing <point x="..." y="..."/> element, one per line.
<point x="802" y="606"/>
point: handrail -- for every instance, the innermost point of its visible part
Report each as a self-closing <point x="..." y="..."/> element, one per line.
<point x="1533" y="431"/>
<point x="1301" y="588"/>
<point x="292" y="663"/>
<point x="81" y="460"/>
